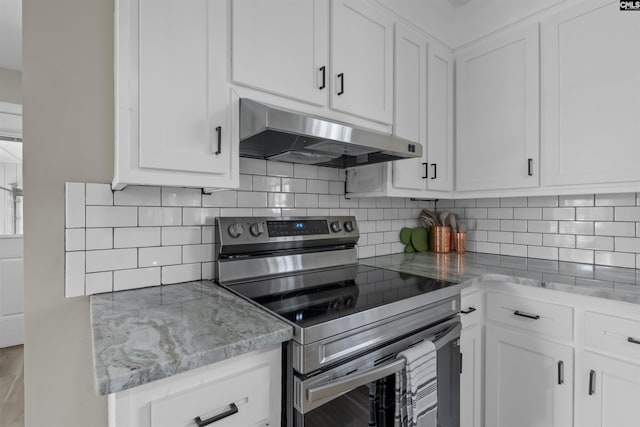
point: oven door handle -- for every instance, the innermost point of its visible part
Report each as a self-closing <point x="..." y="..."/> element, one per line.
<point x="353" y="381"/>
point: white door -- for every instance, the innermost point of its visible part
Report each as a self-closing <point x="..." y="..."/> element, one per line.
<point x="591" y="95"/>
<point x="471" y="377"/>
<point x="440" y="118"/>
<point x="275" y="53"/>
<point x="410" y="107"/>
<point x="362" y="60"/>
<point x="607" y="393"/>
<point x="11" y="241"/>
<point x="528" y="381"/>
<point x="498" y="113"/>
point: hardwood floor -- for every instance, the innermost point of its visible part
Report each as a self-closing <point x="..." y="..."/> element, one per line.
<point x="12" y="386"/>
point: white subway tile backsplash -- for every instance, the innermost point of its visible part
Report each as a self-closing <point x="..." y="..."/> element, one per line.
<point x="305" y="171"/>
<point x="383" y="249"/>
<point x="279" y="169"/>
<point x="581" y="200"/>
<point x="486" y="203"/>
<point x="236" y="212"/>
<point x="199" y="216"/>
<point x="135" y="195"/>
<point x="293" y="212"/>
<point x="74" y="269"/>
<point x="111" y="259"/>
<point x="383" y="225"/>
<point x="97" y="283"/>
<point x="172" y="236"/>
<point x="294" y="185"/>
<point x="627" y="214"/>
<point x="615" y="259"/>
<point x="527" y="213"/>
<point x="317" y="186"/>
<point x="336" y="187"/>
<point x="266" y="183"/>
<point x="500" y="213"/>
<point x="618" y="199"/>
<point x="149" y="217"/>
<point x="328" y="174"/>
<point x="594" y="214"/>
<point x="488" y="247"/>
<point x="359" y="214"/>
<point x="99" y="238"/>
<point x="575" y="227"/>
<point x="500" y="237"/>
<point x="318" y="211"/>
<point x="627" y="244"/>
<point x="488" y="224"/>
<point x="306" y="201"/>
<point x="136" y="278"/>
<point x="513" y="250"/>
<point x="208" y="234"/>
<point x="338" y="212"/>
<point x="272" y="212"/>
<point x="221" y="199"/>
<point x="530" y="239"/>
<point x="329" y="201"/>
<point x="181" y="196"/>
<point x="567" y="214"/>
<point x="477" y="235"/>
<point x="622" y="229"/>
<point x="542" y="252"/>
<point x="74" y="205"/>
<point x="366" y="251"/>
<point x="253" y="166"/>
<point x="543" y="226"/>
<point x="475" y="213"/>
<point x="198" y="253"/>
<point x="281" y="200"/>
<point x="74" y="239"/>
<point x="246" y="183"/>
<point x="513" y="202"/>
<point x="513" y="225"/>
<point x="542" y="201"/>
<point x="252" y="199"/>
<point x="601" y="243"/>
<point x="559" y="240"/>
<point x="136" y="237"/>
<point x="112" y="216"/>
<point x="208" y="270"/>
<point x="152" y="257"/>
<point x="181" y="273"/>
<point x="98" y="194"/>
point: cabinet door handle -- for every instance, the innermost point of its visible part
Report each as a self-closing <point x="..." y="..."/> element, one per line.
<point x="470" y="310"/>
<point x="592" y="382"/>
<point x="219" y="131"/>
<point x="323" y="70"/>
<point x="560" y="372"/>
<point x="527" y="315"/>
<point x="632" y="340"/>
<point x="341" y="78"/>
<point x="435" y="170"/>
<point x="460" y="363"/>
<point x="426" y="171"/>
<point x="530" y="167"/>
<point x="233" y="409"/>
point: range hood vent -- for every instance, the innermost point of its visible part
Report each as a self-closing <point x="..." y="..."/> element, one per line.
<point x="272" y="133"/>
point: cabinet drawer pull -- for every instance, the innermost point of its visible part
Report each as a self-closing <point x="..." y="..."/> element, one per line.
<point x="323" y="70"/>
<point x="426" y="171"/>
<point x="560" y="372"/>
<point x="219" y="131"/>
<point x="527" y="315"/>
<point x="470" y="310"/>
<point x="233" y="409"/>
<point x="632" y="340"/>
<point x="460" y="363"/>
<point x="341" y="78"/>
<point x="530" y="167"/>
<point x="435" y="170"/>
<point x="592" y="382"/>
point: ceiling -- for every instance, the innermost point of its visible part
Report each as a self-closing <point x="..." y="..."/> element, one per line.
<point x="11" y="34"/>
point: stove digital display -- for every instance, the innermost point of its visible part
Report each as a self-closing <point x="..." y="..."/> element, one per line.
<point x="297" y="228"/>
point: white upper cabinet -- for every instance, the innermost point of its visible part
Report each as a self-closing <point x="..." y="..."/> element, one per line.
<point x="498" y="113"/>
<point x="173" y="120"/>
<point x="362" y="60"/>
<point x="591" y="95"/>
<point x="281" y="46"/>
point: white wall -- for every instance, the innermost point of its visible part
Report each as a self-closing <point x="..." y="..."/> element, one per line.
<point x="68" y="136"/>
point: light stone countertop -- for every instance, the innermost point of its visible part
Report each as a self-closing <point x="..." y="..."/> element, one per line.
<point x="619" y="284"/>
<point x="147" y="334"/>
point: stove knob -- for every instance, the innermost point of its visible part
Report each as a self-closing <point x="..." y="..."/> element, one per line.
<point x="235" y="230"/>
<point x="256" y="229"/>
<point x="348" y="226"/>
<point x="335" y="226"/>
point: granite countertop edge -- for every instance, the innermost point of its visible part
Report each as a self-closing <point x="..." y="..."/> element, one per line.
<point x="133" y="346"/>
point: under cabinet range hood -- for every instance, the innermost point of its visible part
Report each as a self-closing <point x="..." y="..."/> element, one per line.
<point x="272" y="133"/>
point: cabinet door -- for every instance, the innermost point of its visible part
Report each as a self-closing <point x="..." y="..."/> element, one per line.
<point x="607" y="392"/>
<point x="523" y="381"/>
<point x="362" y="60"/>
<point x="471" y="377"/>
<point x="410" y="106"/>
<point x="498" y="113"/>
<point x="280" y="46"/>
<point x="440" y="118"/>
<point x="173" y="121"/>
<point x="591" y="95"/>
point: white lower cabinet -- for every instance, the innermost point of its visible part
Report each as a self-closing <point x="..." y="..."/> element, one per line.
<point x="471" y="377"/>
<point x="243" y="391"/>
<point x="607" y="392"/>
<point x="529" y="381"/>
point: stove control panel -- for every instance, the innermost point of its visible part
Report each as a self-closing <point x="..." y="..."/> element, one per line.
<point x="330" y="230"/>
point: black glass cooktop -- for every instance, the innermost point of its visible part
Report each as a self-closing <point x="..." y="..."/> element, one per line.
<point x="312" y="298"/>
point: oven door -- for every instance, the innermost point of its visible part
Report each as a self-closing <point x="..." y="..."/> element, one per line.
<point x="361" y="392"/>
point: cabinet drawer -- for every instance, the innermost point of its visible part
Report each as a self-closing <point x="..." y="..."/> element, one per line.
<point x="532" y="315"/>
<point x="613" y="334"/>
<point x="471" y="308"/>
<point x="248" y="390"/>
